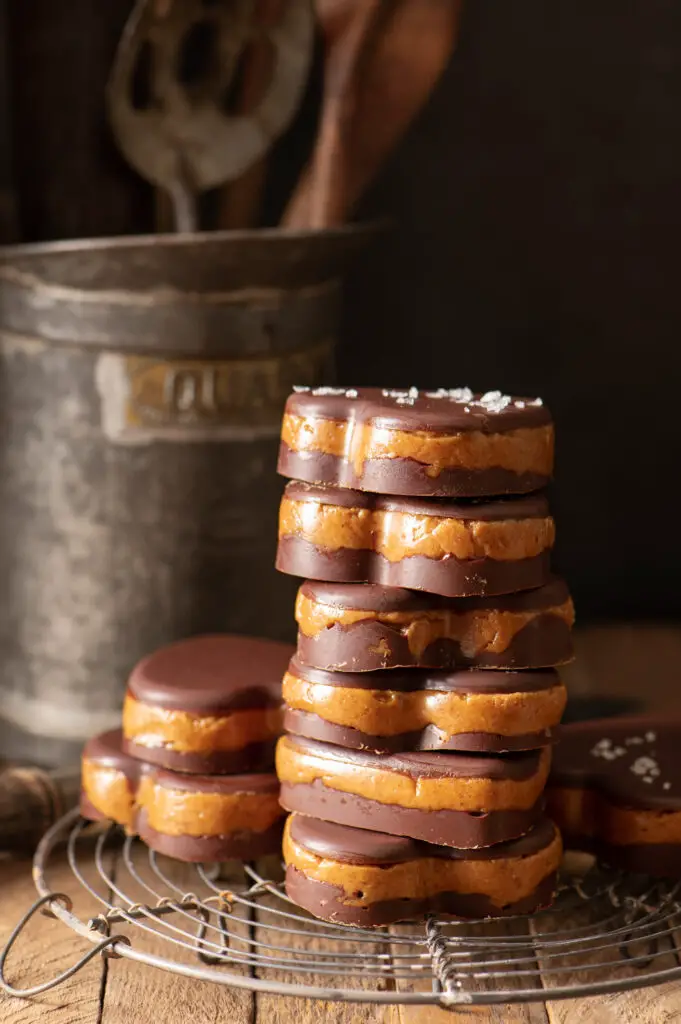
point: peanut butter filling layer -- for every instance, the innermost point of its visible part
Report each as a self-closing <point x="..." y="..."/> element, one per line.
<point x="398" y="535"/>
<point x="297" y="766"/>
<point x="582" y="812"/>
<point x="391" y="712"/>
<point x="174" y="811"/>
<point x="504" y="880"/>
<point x="187" y="733"/>
<point x="482" y="629"/>
<point x="108" y="790"/>
<point x="178" y="812"/>
<point x="525" y="450"/>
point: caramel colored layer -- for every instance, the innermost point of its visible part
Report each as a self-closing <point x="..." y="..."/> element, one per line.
<point x="177" y="812"/>
<point x="390" y="712"/>
<point x="526" y="450"/>
<point x="504" y="880"/>
<point x="582" y="812"/>
<point x="108" y="791"/>
<point x="398" y="535"/>
<point x="483" y="629"/>
<point x="297" y="766"/>
<point x="189" y="733"/>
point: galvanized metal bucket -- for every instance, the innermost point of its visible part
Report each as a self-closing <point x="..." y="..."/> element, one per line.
<point x="141" y="388"/>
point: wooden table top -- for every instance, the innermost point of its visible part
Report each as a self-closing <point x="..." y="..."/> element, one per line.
<point x="618" y="668"/>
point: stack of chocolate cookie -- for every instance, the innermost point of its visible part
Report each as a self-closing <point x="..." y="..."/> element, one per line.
<point x="423" y="692"/>
<point x="191" y="770"/>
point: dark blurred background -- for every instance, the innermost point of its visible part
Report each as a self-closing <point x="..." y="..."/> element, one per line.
<point x="537" y="203"/>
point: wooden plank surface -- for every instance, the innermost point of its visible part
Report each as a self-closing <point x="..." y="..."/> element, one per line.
<point x="47" y="948"/>
<point x="633" y="666"/>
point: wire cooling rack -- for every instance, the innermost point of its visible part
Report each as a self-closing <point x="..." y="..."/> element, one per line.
<point x="607" y="932"/>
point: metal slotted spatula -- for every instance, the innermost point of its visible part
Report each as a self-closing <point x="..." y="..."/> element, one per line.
<point x="172" y="87"/>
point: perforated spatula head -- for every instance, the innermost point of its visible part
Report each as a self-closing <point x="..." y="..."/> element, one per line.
<point x="169" y="89"/>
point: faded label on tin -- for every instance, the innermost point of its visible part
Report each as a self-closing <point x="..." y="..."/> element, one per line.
<point x="146" y="399"/>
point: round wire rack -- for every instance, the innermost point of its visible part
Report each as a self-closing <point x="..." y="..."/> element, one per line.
<point x="232" y="926"/>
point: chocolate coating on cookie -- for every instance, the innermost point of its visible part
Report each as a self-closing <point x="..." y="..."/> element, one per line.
<point x="458" y="549"/>
<point x="402" y="710"/>
<point x="363" y="628"/>
<point x="526" y="506"/>
<point x="426" y="764"/>
<point x="212" y="674"/>
<point x="314" y="727"/>
<point x="443" y="681"/>
<point x="634" y="760"/>
<point x="448" y="442"/>
<point x="245" y="845"/>
<point x="326" y="902"/>
<point x="361" y="846"/>
<point x="439" y="412"/>
<point x="376" y="598"/>
<point x="107" y="751"/>
<point x="462" y="829"/>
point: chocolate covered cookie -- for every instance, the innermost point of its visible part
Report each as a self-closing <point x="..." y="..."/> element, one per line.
<point x="210" y="704"/>
<point x="444" y="443"/>
<point x="356" y="877"/>
<point x="452" y="799"/>
<point x="457" y="549"/>
<point x="353" y="627"/>
<point x="189" y="817"/>
<point x="615" y="790"/>
<point x="423" y="709"/>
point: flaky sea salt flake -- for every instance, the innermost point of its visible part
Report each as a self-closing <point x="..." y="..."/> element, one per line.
<point x="300" y="389"/>
<point x="644" y="766"/>
<point x="494" y="401"/>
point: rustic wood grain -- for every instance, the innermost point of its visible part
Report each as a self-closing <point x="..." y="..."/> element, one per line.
<point x="147" y="995"/>
<point x="47" y="948"/>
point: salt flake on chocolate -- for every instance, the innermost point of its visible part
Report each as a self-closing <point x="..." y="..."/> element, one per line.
<point x="494" y="401"/>
<point x="300" y="389"/>
<point x="646" y="768"/>
<point x="605" y="749"/>
<point x="325" y="392"/>
<point x="460" y="395"/>
<point x="537" y="401"/>
<point x="351" y="393"/>
<point x="403" y="397"/>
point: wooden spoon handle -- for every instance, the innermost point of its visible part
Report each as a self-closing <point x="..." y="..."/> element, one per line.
<point x="318" y="199"/>
<point x="31" y="800"/>
<point x="391" y="54"/>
